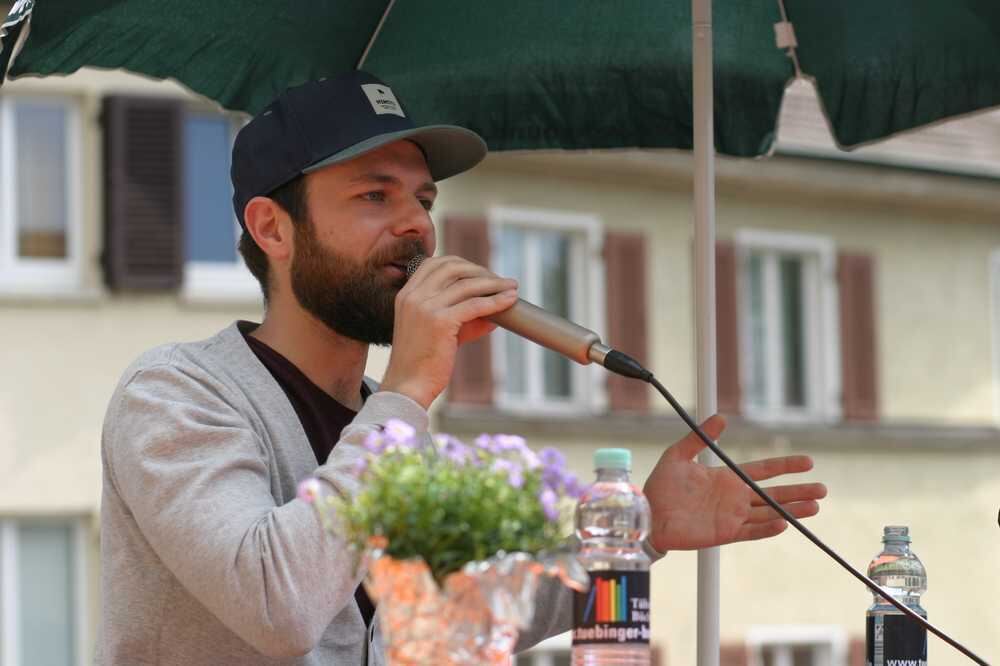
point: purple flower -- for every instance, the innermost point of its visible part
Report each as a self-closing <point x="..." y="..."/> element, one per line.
<point x="509" y="443"/>
<point x="453" y="449"/>
<point x="550" y="504"/>
<point x="505" y="444"/>
<point x="552" y="457"/>
<point x="554" y="473"/>
<point x="530" y="458"/>
<point x="375" y="443"/>
<point x="309" y="490"/>
<point x="515" y="475"/>
<point x="553" y="478"/>
<point x="399" y="432"/>
<point x="572" y="486"/>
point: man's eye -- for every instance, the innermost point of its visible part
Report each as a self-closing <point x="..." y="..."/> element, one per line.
<point x="428" y="204"/>
<point x="374" y="196"/>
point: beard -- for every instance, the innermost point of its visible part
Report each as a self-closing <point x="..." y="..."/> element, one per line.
<point x="354" y="299"/>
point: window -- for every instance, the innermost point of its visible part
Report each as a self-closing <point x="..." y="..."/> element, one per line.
<point x="42" y="592"/>
<point x="554" y="258"/>
<point x="40" y="199"/>
<point x="788" y="327"/>
<point x="213" y="269"/>
<point x="554" y="651"/>
<point x="797" y="646"/>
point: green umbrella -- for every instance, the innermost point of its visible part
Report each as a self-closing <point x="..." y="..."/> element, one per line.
<point x="569" y="74"/>
<point x="555" y="74"/>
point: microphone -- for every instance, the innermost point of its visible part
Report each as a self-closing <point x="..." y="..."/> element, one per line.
<point x="560" y="335"/>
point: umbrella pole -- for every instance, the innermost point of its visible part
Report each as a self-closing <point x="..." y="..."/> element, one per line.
<point x="704" y="285"/>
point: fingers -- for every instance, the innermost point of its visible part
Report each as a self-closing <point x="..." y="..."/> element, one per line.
<point x="765" y="514"/>
<point x="482" y="306"/>
<point x="754" y="531"/>
<point x="456" y="290"/>
<point x="792" y="493"/>
<point x="475" y="329"/>
<point x="691" y="445"/>
<point x="436" y="273"/>
<point x="426" y="267"/>
<point x="465" y="289"/>
<point x="761" y="470"/>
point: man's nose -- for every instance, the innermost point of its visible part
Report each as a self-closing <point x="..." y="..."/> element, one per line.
<point x="414" y="219"/>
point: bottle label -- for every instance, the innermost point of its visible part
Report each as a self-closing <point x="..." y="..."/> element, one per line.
<point x="614" y="610"/>
<point x="894" y="640"/>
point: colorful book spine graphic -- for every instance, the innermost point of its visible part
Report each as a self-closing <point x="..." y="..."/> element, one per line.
<point x="608" y="599"/>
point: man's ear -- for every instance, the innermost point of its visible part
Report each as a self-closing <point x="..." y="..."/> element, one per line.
<point x="270" y="227"/>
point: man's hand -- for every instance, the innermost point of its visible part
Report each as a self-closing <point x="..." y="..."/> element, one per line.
<point x="442" y="306"/>
<point x="694" y="506"/>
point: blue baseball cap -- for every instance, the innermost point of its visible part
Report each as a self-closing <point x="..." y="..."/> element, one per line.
<point x="333" y="120"/>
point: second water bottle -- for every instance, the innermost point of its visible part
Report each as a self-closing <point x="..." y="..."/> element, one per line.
<point x="611" y="619"/>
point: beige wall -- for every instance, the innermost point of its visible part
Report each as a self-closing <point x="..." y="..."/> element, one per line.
<point x="932" y="265"/>
<point x="934" y="328"/>
<point x="661" y="214"/>
<point x="61" y="364"/>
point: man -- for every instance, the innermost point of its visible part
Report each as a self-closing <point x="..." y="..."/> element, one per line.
<point x="208" y="557"/>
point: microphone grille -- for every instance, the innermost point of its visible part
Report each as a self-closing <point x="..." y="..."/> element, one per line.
<point x="414" y="264"/>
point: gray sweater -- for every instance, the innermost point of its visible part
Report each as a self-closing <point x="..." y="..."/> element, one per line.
<point x="207" y="555"/>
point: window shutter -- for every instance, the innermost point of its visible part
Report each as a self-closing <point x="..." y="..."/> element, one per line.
<point x="727" y="328"/>
<point x="626" y="307"/>
<point x="859" y="363"/>
<point x="143" y="231"/>
<point x="733" y="654"/>
<point x="856" y="652"/>
<point x="472" y="381"/>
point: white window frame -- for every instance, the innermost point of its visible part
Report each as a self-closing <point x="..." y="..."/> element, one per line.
<point x="821" y="321"/>
<point x="994" y="277"/>
<point x="10" y="617"/>
<point x="586" y="305"/>
<point x="543" y="654"/>
<point x="220" y="281"/>
<point x="831" y="637"/>
<point x="32" y="275"/>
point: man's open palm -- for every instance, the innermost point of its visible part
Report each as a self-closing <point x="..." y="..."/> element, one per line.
<point x="694" y="506"/>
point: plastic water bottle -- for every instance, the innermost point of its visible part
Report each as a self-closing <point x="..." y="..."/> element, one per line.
<point x="611" y="619"/>
<point x="891" y="638"/>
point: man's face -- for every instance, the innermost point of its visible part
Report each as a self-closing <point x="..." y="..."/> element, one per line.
<point x="367" y="218"/>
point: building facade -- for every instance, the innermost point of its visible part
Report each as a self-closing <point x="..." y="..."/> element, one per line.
<point x="858" y="323"/>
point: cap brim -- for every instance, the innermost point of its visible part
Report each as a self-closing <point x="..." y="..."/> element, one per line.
<point x="449" y="149"/>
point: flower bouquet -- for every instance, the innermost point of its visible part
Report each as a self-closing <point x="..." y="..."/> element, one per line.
<point x="455" y="538"/>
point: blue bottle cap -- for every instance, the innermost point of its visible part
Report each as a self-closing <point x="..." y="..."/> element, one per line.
<point x="613" y="459"/>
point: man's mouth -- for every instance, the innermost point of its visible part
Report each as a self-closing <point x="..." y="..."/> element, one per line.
<point x="397" y="267"/>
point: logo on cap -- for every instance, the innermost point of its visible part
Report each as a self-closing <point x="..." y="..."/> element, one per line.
<point x="382" y="99"/>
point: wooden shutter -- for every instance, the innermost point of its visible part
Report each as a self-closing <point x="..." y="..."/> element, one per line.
<point x="625" y="275"/>
<point x="856" y="652"/>
<point x="859" y="362"/>
<point x="143" y="230"/>
<point x="733" y="654"/>
<point x="727" y="328"/>
<point x="472" y="381"/>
